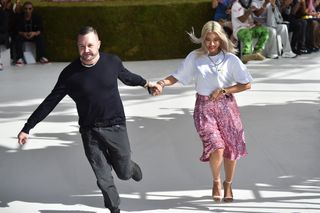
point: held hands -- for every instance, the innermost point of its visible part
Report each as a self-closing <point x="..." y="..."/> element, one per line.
<point x="154" y="89"/>
<point x="22" y="138"/>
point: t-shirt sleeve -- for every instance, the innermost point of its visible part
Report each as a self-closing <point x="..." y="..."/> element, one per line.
<point x="240" y="72"/>
<point x="186" y="71"/>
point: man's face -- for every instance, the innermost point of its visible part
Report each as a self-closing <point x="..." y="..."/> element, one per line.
<point x="28" y="8"/>
<point x="88" y="47"/>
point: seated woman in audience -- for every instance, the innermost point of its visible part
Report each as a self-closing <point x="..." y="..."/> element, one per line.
<point x="312" y="17"/>
<point x="292" y="12"/>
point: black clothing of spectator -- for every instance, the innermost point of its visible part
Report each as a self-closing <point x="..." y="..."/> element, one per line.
<point x="4" y="28"/>
<point x="30" y="28"/>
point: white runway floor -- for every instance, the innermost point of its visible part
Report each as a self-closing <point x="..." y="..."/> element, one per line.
<point x="281" y="173"/>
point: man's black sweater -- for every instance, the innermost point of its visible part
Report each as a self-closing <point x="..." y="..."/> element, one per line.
<point x="94" y="90"/>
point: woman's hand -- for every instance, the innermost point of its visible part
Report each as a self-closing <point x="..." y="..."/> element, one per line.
<point x="215" y="94"/>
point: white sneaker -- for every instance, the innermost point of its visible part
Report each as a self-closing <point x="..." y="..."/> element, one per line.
<point x="289" y="55"/>
<point x="44" y="60"/>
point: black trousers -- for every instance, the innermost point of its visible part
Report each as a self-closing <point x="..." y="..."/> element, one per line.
<point x="107" y="148"/>
<point x="38" y="40"/>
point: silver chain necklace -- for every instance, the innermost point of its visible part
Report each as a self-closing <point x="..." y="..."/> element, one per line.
<point x="217" y="63"/>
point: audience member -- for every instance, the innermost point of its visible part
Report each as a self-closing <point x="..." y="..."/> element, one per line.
<point x="317" y="8"/>
<point x="260" y="16"/>
<point x="245" y="30"/>
<point x="312" y="18"/>
<point x="4" y="33"/>
<point x="13" y="10"/>
<point x="292" y="11"/>
<point x="222" y="15"/>
<point x="267" y="14"/>
<point x="30" y="29"/>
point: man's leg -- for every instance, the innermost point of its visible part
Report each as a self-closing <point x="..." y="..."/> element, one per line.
<point x="262" y="34"/>
<point x="271" y="47"/>
<point x="245" y="36"/>
<point x="282" y="30"/>
<point x="97" y="155"/>
<point x="39" y="41"/>
<point x="116" y="138"/>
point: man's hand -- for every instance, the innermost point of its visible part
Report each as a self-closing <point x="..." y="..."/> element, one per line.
<point x="22" y="138"/>
<point x="155" y="89"/>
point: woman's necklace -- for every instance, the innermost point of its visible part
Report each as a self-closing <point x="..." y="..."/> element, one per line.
<point x="217" y="63"/>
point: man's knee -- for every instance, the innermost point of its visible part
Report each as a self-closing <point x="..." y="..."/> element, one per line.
<point x="123" y="169"/>
<point x="124" y="174"/>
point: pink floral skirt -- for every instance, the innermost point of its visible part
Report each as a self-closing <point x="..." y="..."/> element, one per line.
<point x="219" y="126"/>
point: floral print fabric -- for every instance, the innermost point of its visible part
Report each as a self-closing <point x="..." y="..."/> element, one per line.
<point x="219" y="126"/>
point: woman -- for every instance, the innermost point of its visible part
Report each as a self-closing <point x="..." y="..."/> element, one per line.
<point x="218" y="73"/>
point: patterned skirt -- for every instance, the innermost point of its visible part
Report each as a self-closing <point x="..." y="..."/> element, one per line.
<point x="219" y="126"/>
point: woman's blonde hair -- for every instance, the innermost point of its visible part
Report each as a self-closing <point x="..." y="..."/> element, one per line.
<point x="213" y="27"/>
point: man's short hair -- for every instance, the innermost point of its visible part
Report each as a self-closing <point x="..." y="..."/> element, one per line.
<point x="87" y="29"/>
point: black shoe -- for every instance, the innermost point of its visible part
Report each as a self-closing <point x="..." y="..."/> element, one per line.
<point x="115" y="210"/>
<point x="297" y="52"/>
<point x="305" y="51"/>
<point x="137" y="174"/>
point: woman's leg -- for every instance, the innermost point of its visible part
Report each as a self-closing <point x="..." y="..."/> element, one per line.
<point x="216" y="159"/>
<point x="229" y="168"/>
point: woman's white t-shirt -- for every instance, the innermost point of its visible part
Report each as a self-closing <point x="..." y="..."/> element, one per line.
<point x="220" y="71"/>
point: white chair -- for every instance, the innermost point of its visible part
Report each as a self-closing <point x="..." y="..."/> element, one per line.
<point x="4" y="56"/>
<point x="29" y="52"/>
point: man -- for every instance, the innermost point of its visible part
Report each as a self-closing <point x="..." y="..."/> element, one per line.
<point x="268" y="14"/>
<point x="29" y="27"/>
<point x="91" y="81"/>
<point x="245" y="30"/>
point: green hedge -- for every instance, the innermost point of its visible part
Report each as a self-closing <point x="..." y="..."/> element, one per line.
<point x="133" y="31"/>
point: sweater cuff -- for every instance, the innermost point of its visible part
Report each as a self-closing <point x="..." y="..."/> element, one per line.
<point x="143" y="82"/>
<point x="26" y="128"/>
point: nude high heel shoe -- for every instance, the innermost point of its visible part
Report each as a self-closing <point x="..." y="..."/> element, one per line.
<point x="228" y="194"/>
<point x="216" y="191"/>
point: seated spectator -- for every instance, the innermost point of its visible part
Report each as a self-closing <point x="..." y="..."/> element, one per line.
<point x="30" y="28"/>
<point x="260" y="16"/>
<point x="317" y="7"/>
<point x="292" y="12"/>
<point x="13" y="10"/>
<point x="4" y="32"/>
<point x="268" y="15"/>
<point x="245" y="30"/>
<point x="312" y="17"/>
<point x="222" y="15"/>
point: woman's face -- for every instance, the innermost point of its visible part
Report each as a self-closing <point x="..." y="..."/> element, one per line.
<point x="212" y="43"/>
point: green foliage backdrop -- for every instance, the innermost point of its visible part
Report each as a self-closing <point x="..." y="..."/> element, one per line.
<point x="134" y="30"/>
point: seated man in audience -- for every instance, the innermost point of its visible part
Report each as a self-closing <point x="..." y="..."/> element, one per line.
<point x="30" y="28"/>
<point x="245" y="30"/>
<point x="267" y="13"/>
